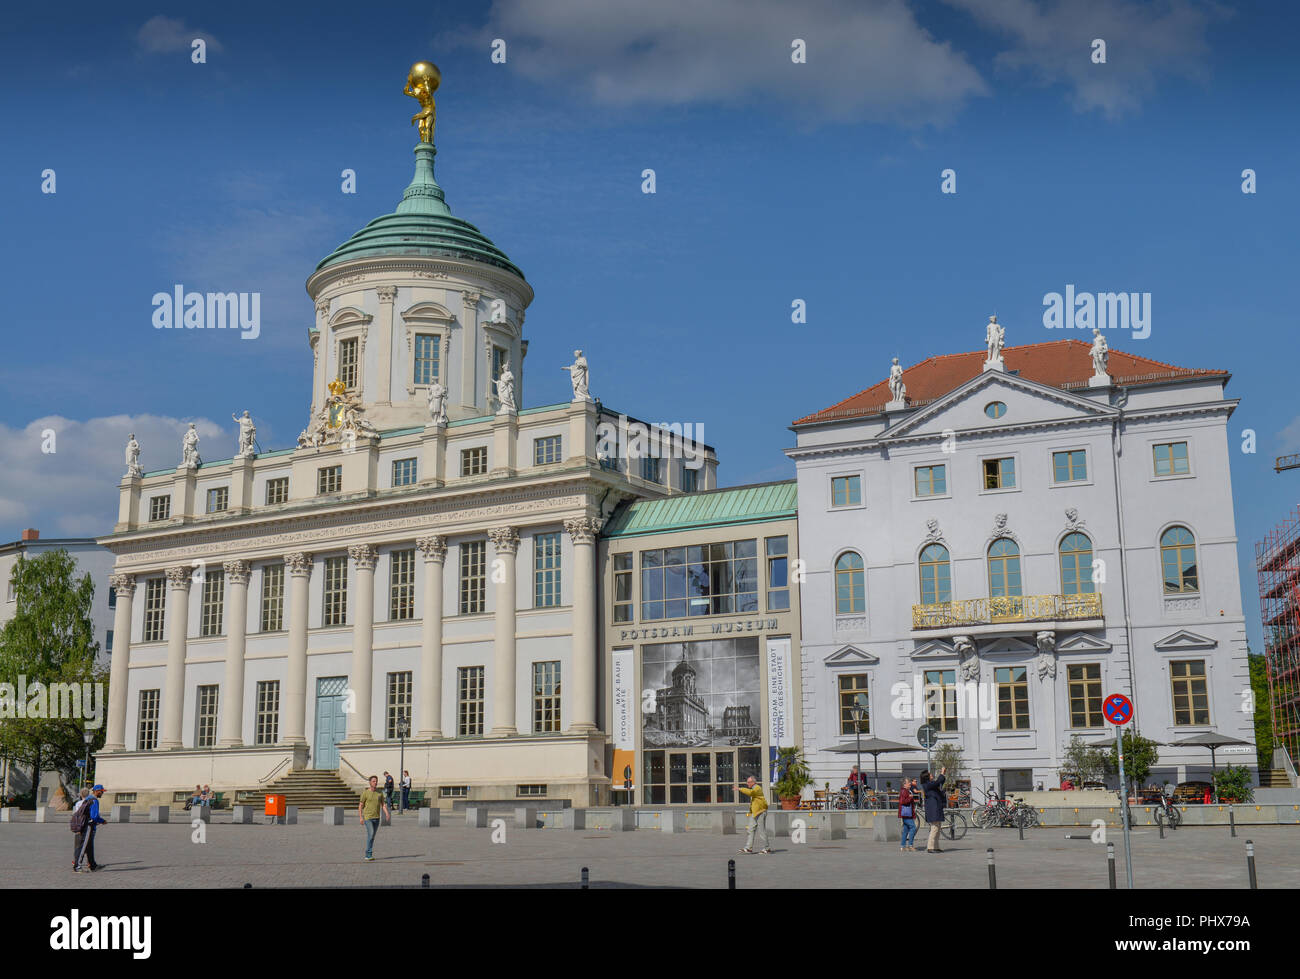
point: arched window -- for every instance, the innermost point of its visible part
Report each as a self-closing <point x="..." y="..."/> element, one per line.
<point x="850" y="584"/>
<point x="1004" y="568"/>
<point x="1076" y="565"/>
<point x="1178" y="560"/>
<point x="936" y="575"/>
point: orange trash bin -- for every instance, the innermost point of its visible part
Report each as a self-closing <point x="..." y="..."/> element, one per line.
<point x="275" y="805"/>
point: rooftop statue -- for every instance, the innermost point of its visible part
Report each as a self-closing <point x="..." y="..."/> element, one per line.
<point x="422" y="81"/>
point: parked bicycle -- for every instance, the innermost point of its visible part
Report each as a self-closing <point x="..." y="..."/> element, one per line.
<point x="954" y="824"/>
<point x="1167" y="813"/>
<point x="1004" y="812"/>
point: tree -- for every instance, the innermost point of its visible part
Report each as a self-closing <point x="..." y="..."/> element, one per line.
<point x="1140" y="756"/>
<point x="1265" y="740"/>
<point x="50" y="640"/>
<point x="1082" y="762"/>
<point x="948" y="755"/>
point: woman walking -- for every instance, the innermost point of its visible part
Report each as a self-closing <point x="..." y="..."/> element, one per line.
<point x="907" y="813"/>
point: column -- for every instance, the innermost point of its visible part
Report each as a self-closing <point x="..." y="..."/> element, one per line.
<point x="387" y="295"/>
<point x="178" y="624"/>
<point x="363" y="638"/>
<point x="583" y="531"/>
<point x="298" y="568"/>
<point x="434" y="547"/>
<point x="505" y="543"/>
<point x="232" y="691"/>
<point x="320" y="347"/>
<point x="120" y="662"/>
<point x="469" y="353"/>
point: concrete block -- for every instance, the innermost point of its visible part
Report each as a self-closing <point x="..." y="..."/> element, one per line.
<point x="334" y="815"/>
<point x="672" y="820"/>
<point x="723" y="822"/>
<point x="574" y="819"/>
<point x="45" y="814"/>
<point x="778" y="821"/>
<point x="9" y="814"/>
<point x="160" y="814"/>
<point x="476" y="817"/>
<point x="242" y="814"/>
<point x="291" y="815"/>
<point x="525" y="817"/>
<point x="831" y="826"/>
<point x="203" y="813"/>
<point x="431" y="816"/>
<point x="120" y="814"/>
<point x="886" y="828"/>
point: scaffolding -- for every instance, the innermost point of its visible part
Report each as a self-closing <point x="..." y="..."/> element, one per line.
<point x="1277" y="559"/>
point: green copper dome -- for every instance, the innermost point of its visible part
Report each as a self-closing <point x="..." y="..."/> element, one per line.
<point x="422" y="224"/>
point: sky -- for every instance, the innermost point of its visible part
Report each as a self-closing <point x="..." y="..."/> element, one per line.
<point x="775" y="181"/>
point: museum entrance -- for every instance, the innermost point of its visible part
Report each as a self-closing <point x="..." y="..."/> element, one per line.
<point x="697" y="776"/>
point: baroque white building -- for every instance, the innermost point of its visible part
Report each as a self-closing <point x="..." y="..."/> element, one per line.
<point x="1027" y="530"/>
<point x="426" y="553"/>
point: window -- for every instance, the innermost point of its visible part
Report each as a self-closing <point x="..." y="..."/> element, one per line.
<point x="850" y="584"/>
<point x="678" y="777"/>
<point x="546" y="570"/>
<point x="155" y="609"/>
<point x="1013" y="698"/>
<point x="329" y="479"/>
<point x="218" y="499"/>
<point x="1171" y="459"/>
<point x="846" y="491"/>
<point x="348" y="363"/>
<point x="499" y="355"/>
<point x="277" y="490"/>
<point x="108" y="641"/>
<point x="403" y="472"/>
<point x="936" y="575"/>
<point x="999" y="474"/>
<point x="469" y="701"/>
<point x="214" y="593"/>
<point x="778" y="574"/>
<point x="941" y="699"/>
<point x="530" y="791"/>
<point x="853" y="693"/>
<point x="1004" y="568"/>
<point x="267" y="728"/>
<point x="146" y="738"/>
<point x="453" y="791"/>
<point x="401" y="585"/>
<point x="1070" y="467"/>
<point x="112" y="595"/>
<point x="160" y="507"/>
<point x="336" y="591"/>
<point x="705" y="579"/>
<point x="623" y="587"/>
<point x="546" y="697"/>
<point x="1191" y="700"/>
<point x="995" y="409"/>
<point x="931" y="480"/>
<point x="1085" y="695"/>
<point x="399" y="703"/>
<point x="473" y="587"/>
<point x="690" y="479"/>
<point x="205" y="734"/>
<point x="546" y="451"/>
<point x="650" y="469"/>
<point x="426" y="358"/>
<point x="1076" y="565"/>
<point x="273" y="598"/>
<point x="473" y="462"/>
<point x="1178" y="560"/>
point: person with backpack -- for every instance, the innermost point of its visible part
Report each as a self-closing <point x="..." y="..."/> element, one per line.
<point x="907" y="813"/>
<point x="78" y="826"/>
<point x="388" y="789"/>
<point x="88" y="811"/>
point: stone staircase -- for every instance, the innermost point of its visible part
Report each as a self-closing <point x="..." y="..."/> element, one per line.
<point x="1274" y="779"/>
<point x="308" y="789"/>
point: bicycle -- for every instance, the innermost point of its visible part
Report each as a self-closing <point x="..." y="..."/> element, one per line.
<point x="1167" y="813"/>
<point x="954" y="824"/>
<point x="1024" y="816"/>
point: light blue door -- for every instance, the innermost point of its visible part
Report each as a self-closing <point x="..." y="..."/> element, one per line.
<point x="331" y="721"/>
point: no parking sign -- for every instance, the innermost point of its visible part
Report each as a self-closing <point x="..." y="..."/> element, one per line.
<point x="1118" y="709"/>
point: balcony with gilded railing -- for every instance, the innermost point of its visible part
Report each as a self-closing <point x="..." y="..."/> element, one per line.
<point x="1008" y="609"/>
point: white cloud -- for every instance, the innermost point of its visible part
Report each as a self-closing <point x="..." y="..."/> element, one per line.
<point x="869" y="61"/>
<point x="72" y="492"/>
<point x="1144" y="42"/>
<point x="164" y="35"/>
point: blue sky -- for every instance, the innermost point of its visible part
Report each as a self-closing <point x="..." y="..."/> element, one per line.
<point x="775" y="182"/>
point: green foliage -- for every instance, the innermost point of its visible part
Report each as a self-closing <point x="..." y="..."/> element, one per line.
<point x="50" y="640"/>
<point x="1082" y="762"/>
<point x="1265" y="739"/>
<point x="948" y="755"/>
<point x="795" y="774"/>
<point x="1140" y="756"/>
<point x="1233" y="783"/>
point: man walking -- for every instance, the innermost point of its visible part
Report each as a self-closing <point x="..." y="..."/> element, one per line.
<point x="88" y="810"/>
<point x="78" y="827"/>
<point x="368" y="811"/>
<point x="936" y="801"/>
<point x="757" y="815"/>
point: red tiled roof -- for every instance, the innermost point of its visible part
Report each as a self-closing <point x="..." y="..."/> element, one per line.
<point x="1061" y="363"/>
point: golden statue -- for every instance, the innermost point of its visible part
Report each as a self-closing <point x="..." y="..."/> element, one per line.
<point x="421" y="83"/>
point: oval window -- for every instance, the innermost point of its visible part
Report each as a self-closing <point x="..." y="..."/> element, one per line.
<point x="995" y="409"/>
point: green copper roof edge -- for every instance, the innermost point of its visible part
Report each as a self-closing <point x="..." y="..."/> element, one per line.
<point x="700" y="524"/>
<point x="721" y="507"/>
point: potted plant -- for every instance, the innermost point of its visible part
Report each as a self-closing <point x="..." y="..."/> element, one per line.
<point x="1233" y="784"/>
<point x="794" y="776"/>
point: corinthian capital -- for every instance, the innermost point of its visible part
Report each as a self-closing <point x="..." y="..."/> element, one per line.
<point x="434" y="547"/>
<point x="470" y="299"/>
<point x="179" y="576"/>
<point x="123" y="584"/>
<point x="583" y="530"/>
<point x="236" y="571"/>
<point x="298" y="563"/>
<point x="364" y="555"/>
<point x="322" y="308"/>
<point x="504" y="539"/>
<point x="387" y="293"/>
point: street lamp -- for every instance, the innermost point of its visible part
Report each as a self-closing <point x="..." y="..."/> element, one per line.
<point x="403" y="729"/>
<point x="85" y="771"/>
<point x="858" y="712"/>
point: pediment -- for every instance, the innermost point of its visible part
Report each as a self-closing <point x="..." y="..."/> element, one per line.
<point x="427" y="311"/>
<point x="934" y="649"/>
<point x="1082" y="642"/>
<point x="1182" y="639"/>
<point x="1003" y="645"/>
<point x="349" y="316"/>
<point x="850" y="655"/>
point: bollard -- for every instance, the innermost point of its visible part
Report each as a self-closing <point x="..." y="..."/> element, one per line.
<point x="1021" y="826"/>
<point x="424" y="881"/>
<point x="1232" y="822"/>
<point x="1250" y="864"/>
<point x="1110" y="863"/>
<point x="584" y="879"/>
<point x="1160" y="825"/>
<point x="731" y="875"/>
<point x="993" y="873"/>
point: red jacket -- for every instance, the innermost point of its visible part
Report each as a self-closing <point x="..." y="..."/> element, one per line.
<point x="905" y="799"/>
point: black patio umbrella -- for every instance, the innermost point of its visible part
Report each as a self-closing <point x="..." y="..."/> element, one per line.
<point x="1213" y="742"/>
<point x="875" y="747"/>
